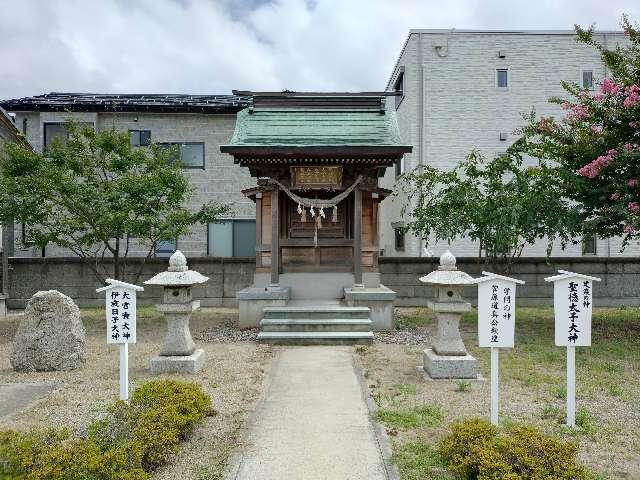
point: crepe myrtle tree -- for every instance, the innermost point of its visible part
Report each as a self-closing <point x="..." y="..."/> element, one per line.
<point x="500" y="203"/>
<point x="96" y="195"/>
<point x="594" y="148"/>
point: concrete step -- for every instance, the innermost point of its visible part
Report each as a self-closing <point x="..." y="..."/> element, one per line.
<point x="316" y="338"/>
<point x="315" y="325"/>
<point x="329" y="312"/>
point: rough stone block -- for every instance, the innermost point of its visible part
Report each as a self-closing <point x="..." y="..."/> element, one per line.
<point x="449" y="366"/>
<point x="178" y="364"/>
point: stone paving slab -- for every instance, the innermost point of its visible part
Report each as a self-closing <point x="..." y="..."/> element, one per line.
<point x="313" y="423"/>
<point x="17" y="396"/>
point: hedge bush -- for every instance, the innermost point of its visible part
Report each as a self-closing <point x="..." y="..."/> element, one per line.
<point x="129" y="442"/>
<point x="476" y="450"/>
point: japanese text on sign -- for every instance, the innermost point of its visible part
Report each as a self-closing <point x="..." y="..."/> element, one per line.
<point x="573" y="305"/>
<point x="496" y="313"/>
<point x="121" y="315"/>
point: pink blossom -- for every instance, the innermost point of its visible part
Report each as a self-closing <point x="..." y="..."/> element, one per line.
<point x="608" y="86"/>
<point x="544" y="125"/>
<point x="578" y="112"/>
<point x="615" y="196"/>
<point x="627" y="147"/>
<point x="628" y="228"/>
<point x="633" y="207"/>
<point x="596" y="128"/>
<point x="591" y="170"/>
<point x="632" y="183"/>
<point x="565" y="105"/>
<point x="634" y="124"/>
<point x="632" y="96"/>
<point x="598" y="96"/>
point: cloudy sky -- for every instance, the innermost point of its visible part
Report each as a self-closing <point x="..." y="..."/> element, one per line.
<point x="214" y="46"/>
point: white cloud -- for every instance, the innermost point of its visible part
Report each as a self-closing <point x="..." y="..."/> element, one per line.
<point x="204" y="46"/>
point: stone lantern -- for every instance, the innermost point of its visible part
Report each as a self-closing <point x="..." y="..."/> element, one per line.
<point x="179" y="353"/>
<point x="448" y="357"/>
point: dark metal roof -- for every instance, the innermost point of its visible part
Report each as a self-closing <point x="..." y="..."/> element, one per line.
<point x="98" y="102"/>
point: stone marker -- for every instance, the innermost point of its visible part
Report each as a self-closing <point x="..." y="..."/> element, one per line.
<point x="178" y="352"/>
<point x="50" y="335"/>
<point x="448" y="357"/>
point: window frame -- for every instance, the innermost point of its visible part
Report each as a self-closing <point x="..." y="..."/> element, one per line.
<point x="506" y="70"/>
<point x="168" y="253"/>
<point x="396" y="232"/>
<point x="45" y="144"/>
<point x="139" y="131"/>
<point x="586" y="241"/>
<point x="582" y="72"/>
<point x="232" y="220"/>
<point x="178" y="144"/>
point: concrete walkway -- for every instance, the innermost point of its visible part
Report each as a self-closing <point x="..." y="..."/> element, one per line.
<point x="313" y="423"/>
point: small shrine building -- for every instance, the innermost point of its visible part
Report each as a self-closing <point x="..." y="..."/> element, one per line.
<point x="317" y="158"/>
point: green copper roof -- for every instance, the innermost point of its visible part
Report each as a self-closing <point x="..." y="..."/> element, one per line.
<point x="315" y="127"/>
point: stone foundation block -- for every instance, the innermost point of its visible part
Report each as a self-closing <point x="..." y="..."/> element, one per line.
<point x="379" y="300"/>
<point x="178" y="364"/>
<point x="252" y="300"/>
<point x="449" y="366"/>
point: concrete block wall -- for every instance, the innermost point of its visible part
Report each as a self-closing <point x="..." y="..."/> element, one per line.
<point x="620" y="283"/>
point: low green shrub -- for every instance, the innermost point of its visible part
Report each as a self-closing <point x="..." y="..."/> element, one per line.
<point x="129" y="442"/>
<point x="476" y="450"/>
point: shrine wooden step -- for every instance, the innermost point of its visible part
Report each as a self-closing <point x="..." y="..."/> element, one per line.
<point x="315" y="325"/>
<point x="316" y="312"/>
<point x="316" y="338"/>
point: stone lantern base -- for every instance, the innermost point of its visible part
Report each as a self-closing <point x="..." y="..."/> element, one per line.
<point x="178" y="363"/>
<point x="449" y="366"/>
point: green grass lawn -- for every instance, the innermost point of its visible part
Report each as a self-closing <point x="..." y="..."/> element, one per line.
<point x="532" y="390"/>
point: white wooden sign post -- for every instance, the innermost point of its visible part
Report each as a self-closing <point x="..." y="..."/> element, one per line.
<point x="120" y="304"/>
<point x="496" y="324"/>
<point x="572" y="305"/>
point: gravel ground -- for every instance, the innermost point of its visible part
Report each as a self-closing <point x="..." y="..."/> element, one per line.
<point x="612" y="448"/>
<point x="232" y="376"/>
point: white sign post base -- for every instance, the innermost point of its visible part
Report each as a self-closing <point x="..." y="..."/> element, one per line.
<point x="495" y="395"/>
<point x="124" y="371"/>
<point x="571" y="386"/>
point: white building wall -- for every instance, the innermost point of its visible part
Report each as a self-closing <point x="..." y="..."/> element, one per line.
<point x="452" y="97"/>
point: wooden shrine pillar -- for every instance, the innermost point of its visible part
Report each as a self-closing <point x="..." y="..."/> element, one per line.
<point x="275" y="236"/>
<point x="357" y="238"/>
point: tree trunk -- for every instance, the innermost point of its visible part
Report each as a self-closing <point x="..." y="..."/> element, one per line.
<point x="116" y="260"/>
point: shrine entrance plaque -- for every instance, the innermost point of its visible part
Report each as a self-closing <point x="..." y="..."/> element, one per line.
<point x="316" y="177"/>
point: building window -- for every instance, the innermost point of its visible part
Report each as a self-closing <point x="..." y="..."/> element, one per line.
<point x="399" y="167"/>
<point x="166" y="248"/>
<point x="399" y="239"/>
<point x="587" y="79"/>
<point x="232" y="238"/>
<point x="399" y="88"/>
<point x="502" y="78"/>
<point x="53" y="131"/>
<point x="189" y="154"/>
<point x="58" y="130"/>
<point x="140" y="138"/>
<point x="589" y="245"/>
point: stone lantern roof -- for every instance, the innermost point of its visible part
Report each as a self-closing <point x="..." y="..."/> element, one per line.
<point x="178" y="274"/>
<point x="447" y="273"/>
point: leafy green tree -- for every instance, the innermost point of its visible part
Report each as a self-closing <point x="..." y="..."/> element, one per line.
<point x="499" y="203"/>
<point x="96" y="195"/>
<point x="594" y="148"/>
